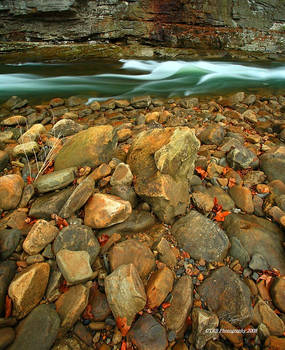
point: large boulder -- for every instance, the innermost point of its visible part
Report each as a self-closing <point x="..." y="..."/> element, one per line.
<point x="162" y="160"/>
<point x="273" y="163"/>
<point x="258" y="235"/>
<point x="89" y="147"/>
<point x="201" y="237"/>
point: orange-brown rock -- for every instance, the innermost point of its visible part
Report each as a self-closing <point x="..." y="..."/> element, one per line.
<point x="242" y="198"/>
<point x="28" y="287"/>
<point x="274" y="343"/>
<point x="11" y="187"/>
<point x="277" y="292"/>
<point x="231" y="333"/>
<point x="103" y="210"/>
<point x="158" y="287"/>
<point x="133" y="252"/>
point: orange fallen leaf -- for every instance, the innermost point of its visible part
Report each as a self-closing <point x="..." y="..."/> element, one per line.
<point x="103" y="239"/>
<point x="122" y="325"/>
<point x="185" y="255"/>
<point x="203" y="173"/>
<point x="30" y="180"/>
<point x="267" y="278"/>
<point x="165" y="305"/>
<point x="63" y="287"/>
<point x="232" y="182"/>
<point x="124" y="345"/>
<point x="220" y="216"/>
<point x="226" y="170"/>
<point x="217" y="207"/>
<point x="8" y="307"/>
<point x="200" y="277"/>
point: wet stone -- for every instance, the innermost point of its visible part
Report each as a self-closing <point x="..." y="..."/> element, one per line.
<point x="77" y="238"/>
<point x="147" y="333"/>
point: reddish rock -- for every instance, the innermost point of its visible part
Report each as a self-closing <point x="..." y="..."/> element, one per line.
<point x="274" y="343"/>
<point x="11" y="187"/>
<point x="28" y="287"/>
<point x="132" y="251"/>
<point x="125" y="292"/>
<point x="158" y="287"/>
<point x="103" y="210"/>
<point x="99" y="305"/>
<point x="233" y="335"/>
<point x="147" y="334"/>
<point x="242" y="198"/>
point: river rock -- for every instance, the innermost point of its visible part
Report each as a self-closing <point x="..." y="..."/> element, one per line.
<point x="133" y="252"/>
<point x="126" y="193"/>
<point x="138" y="221"/>
<point x="125" y="292"/>
<point x="28" y="287"/>
<point x="203" y="201"/>
<point x="7" y="272"/>
<point x="14" y="120"/>
<point x="4" y="160"/>
<point x="26" y="149"/>
<point x="9" y="240"/>
<point x="51" y="203"/>
<point x="103" y="210"/>
<point x="11" y="187"/>
<point x="262" y="313"/>
<point x="41" y="234"/>
<point x="212" y="135"/>
<point x="32" y="134"/>
<point x="242" y="198"/>
<point x="201" y="237"/>
<point x="140" y="101"/>
<point x="55" y="180"/>
<point x="203" y="322"/>
<point x="122" y="175"/>
<point x="78" y="198"/>
<point x="166" y="254"/>
<point x="147" y="333"/>
<point x="77" y="238"/>
<point x="239" y="252"/>
<point x="240" y="158"/>
<point x="100" y="308"/>
<point x="274" y="343"/>
<point x="182" y="299"/>
<point x="273" y="163"/>
<point x="258" y="262"/>
<point x="232" y="334"/>
<point x="66" y="127"/>
<point x="74" y="265"/>
<point x="89" y="147"/>
<point x="277" y="292"/>
<point x="158" y="287"/>
<point x="258" y="235"/>
<point x="162" y="161"/>
<point x="38" y="330"/>
<point x="228" y="296"/>
<point x="223" y="198"/>
<point x="6" y="136"/>
<point x="28" y="193"/>
<point x="7" y="336"/>
<point x="71" y="304"/>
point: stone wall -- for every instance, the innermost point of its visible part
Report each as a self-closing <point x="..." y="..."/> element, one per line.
<point x="245" y="25"/>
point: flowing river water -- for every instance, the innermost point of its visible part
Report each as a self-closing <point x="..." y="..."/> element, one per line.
<point x="127" y="78"/>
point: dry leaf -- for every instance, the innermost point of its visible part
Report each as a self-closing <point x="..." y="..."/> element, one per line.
<point x="201" y="172"/>
<point x="8" y="307"/>
<point x="122" y="325"/>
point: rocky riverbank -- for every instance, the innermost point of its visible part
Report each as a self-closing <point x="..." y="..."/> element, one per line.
<point x="143" y="224"/>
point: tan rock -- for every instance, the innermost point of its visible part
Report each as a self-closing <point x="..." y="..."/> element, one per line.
<point x="28" y="287"/>
<point x="124" y="134"/>
<point x="122" y="175"/>
<point x="32" y="134"/>
<point x="41" y="234"/>
<point x="71" y="304"/>
<point x="274" y="343"/>
<point x="277" y="292"/>
<point x="242" y="198"/>
<point x="231" y="333"/>
<point x="152" y="117"/>
<point x="14" y="120"/>
<point x="166" y="254"/>
<point x="133" y="252"/>
<point x="158" y="287"/>
<point x="103" y="210"/>
<point x="125" y="292"/>
<point x="203" y="201"/>
<point x="11" y="187"/>
<point x="26" y="149"/>
<point x="100" y="172"/>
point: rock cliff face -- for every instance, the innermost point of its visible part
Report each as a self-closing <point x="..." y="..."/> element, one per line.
<point x="246" y="25"/>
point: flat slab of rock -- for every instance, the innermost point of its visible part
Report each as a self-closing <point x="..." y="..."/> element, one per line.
<point x="181" y="304"/>
<point x="74" y="265"/>
<point x="201" y="237"/>
<point x="133" y="252"/>
<point x="11" y="187"/>
<point x="89" y="147"/>
<point x="103" y="210"/>
<point x="51" y="203"/>
<point x="125" y="292"/>
<point x="147" y="334"/>
<point x="71" y="304"/>
<point x="228" y="296"/>
<point x="258" y="235"/>
<point x="78" y="198"/>
<point x="38" y="330"/>
<point x="28" y="287"/>
<point x="162" y="160"/>
<point x="55" y="180"/>
<point x="41" y="234"/>
<point x="77" y="238"/>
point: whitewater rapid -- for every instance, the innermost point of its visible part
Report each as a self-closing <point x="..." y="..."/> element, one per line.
<point x="138" y="77"/>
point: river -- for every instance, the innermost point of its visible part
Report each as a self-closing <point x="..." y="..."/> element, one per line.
<point x="126" y="78"/>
